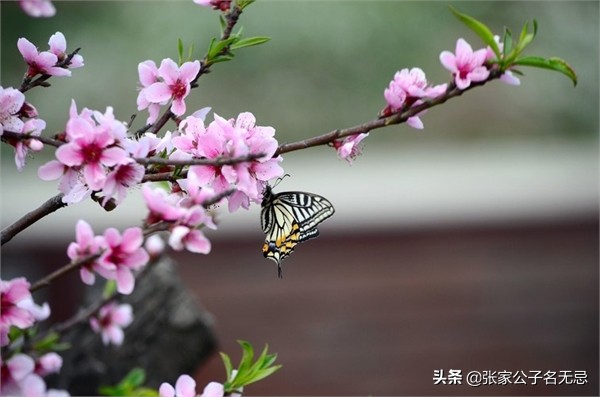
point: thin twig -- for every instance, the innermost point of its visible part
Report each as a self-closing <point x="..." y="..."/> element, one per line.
<point x="9" y="136"/>
<point x="31" y="217"/>
<point x="28" y="84"/>
<point x="397" y="118"/>
<point x="219" y="161"/>
<point x="46" y="280"/>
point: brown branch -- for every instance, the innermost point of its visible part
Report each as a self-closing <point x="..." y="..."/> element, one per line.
<point x="219" y="161"/>
<point x="28" y="84"/>
<point x="397" y="118"/>
<point x="31" y="217"/>
<point x="45" y="281"/>
<point x="232" y="18"/>
<point x="9" y="136"/>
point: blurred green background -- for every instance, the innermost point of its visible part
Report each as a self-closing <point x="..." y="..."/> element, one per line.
<point x="326" y="66"/>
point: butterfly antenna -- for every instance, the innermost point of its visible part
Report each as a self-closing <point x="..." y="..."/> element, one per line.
<point x="280" y="179"/>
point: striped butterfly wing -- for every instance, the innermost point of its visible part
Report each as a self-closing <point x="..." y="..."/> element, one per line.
<point x="289" y="218"/>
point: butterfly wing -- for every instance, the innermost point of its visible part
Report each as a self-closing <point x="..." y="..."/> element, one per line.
<point x="289" y="218"/>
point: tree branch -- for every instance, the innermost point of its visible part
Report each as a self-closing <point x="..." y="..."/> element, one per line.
<point x="31" y="217"/>
<point x="396" y="118"/>
<point x="45" y="281"/>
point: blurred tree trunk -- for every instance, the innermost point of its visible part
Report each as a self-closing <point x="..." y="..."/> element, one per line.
<point x="170" y="335"/>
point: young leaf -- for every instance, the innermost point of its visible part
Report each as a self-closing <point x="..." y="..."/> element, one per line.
<point x="180" y="50"/>
<point x="479" y="28"/>
<point x="227" y="364"/>
<point x="556" y="64"/>
<point x="109" y="288"/>
<point x="134" y="378"/>
<point x="248" y="42"/>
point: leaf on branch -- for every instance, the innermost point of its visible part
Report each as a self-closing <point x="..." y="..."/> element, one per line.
<point x="556" y="64"/>
<point x="479" y="28"/>
<point x="250" y="41"/>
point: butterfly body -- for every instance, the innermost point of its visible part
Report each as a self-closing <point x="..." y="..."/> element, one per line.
<point x="289" y="218"/>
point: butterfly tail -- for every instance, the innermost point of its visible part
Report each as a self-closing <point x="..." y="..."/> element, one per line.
<point x="279" y="270"/>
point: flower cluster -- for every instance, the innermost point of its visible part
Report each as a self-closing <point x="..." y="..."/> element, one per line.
<point x="234" y="139"/>
<point x="18" y="308"/>
<point x="38" y="8"/>
<point x="13" y="110"/>
<point x="410" y="88"/>
<point x="185" y="386"/>
<point x="110" y="321"/>
<point x="96" y="156"/>
<point x="49" y="62"/>
<point x="112" y="255"/>
<point x="163" y="84"/>
<point x="21" y="375"/>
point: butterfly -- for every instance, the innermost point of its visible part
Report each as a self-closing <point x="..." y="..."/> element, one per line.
<point x="289" y="218"/>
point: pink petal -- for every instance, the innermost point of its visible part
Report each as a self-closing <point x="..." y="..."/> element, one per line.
<point x="69" y="155"/>
<point x="189" y="70"/>
<point x="27" y="50"/>
<point x="166" y="390"/>
<point x="178" y="106"/>
<point x="148" y="73"/>
<point x="58" y="43"/>
<point x="415" y="122"/>
<point x="113" y="156"/>
<point x="448" y="61"/>
<point x="125" y="281"/>
<point x="509" y="78"/>
<point x="213" y="389"/>
<point x="123" y="315"/>
<point x="197" y="242"/>
<point x="94" y="176"/>
<point x="169" y="71"/>
<point x="158" y="92"/>
<point x="20" y="365"/>
<point x="185" y="386"/>
<point x="86" y="276"/>
<point x="479" y="74"/>
<point x="115" y="334"/>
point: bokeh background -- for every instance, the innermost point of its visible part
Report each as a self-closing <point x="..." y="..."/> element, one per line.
<point x="470" y="245"/>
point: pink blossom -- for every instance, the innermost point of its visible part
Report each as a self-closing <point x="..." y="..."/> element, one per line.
<point x="92" y="146"/>
<point x="121" y="178"/>
<point x="154" y="245"/>
<point x="13" y="294"/>
<point x="11" y="102"/>
<point x="110" y="321"/>
<point x="49" y="363"/>
<point x="349" y="147"/>
<point x="407" y="89"/>
<point x="222" y="5"/>
<point x="58" y="46"/>
<point x="31" y="127"/>
<point x="175" y="84"/>
<point x="162" y="206"/>
<point x="232" y="138"/>
<point x="466" y="66"/>
<point x="87" y="244"/>
<point x="148" y="74"/>
<point x="34" y="386"/>
<point x="184" y="387"/>
<point x="126" y="254"/>
<point x="71" y="182"/>
<point x="187" y="234"/>
<point x="38" y="8"/>
<point x="40" y="62"/>
<point x="13" y="372"/>
<point x="213" y="389"/>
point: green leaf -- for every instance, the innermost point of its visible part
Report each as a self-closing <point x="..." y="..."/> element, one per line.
<point x="109" y="289"/>
<point x="250" y="41"/>
<point x="244" y="3"/>
<point x="135" y="378"/>
<point x="227" y="364"/>
<point x="479" y="28"/>
<point x="47" y="343"/>
<point x="506" y="42"/>
<point x="144" y="392"/>
<point x="223" y="23"/>
<point x="180" y="50"/>
<point x="556" y="64"/>
<point x="264" y="373"/>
